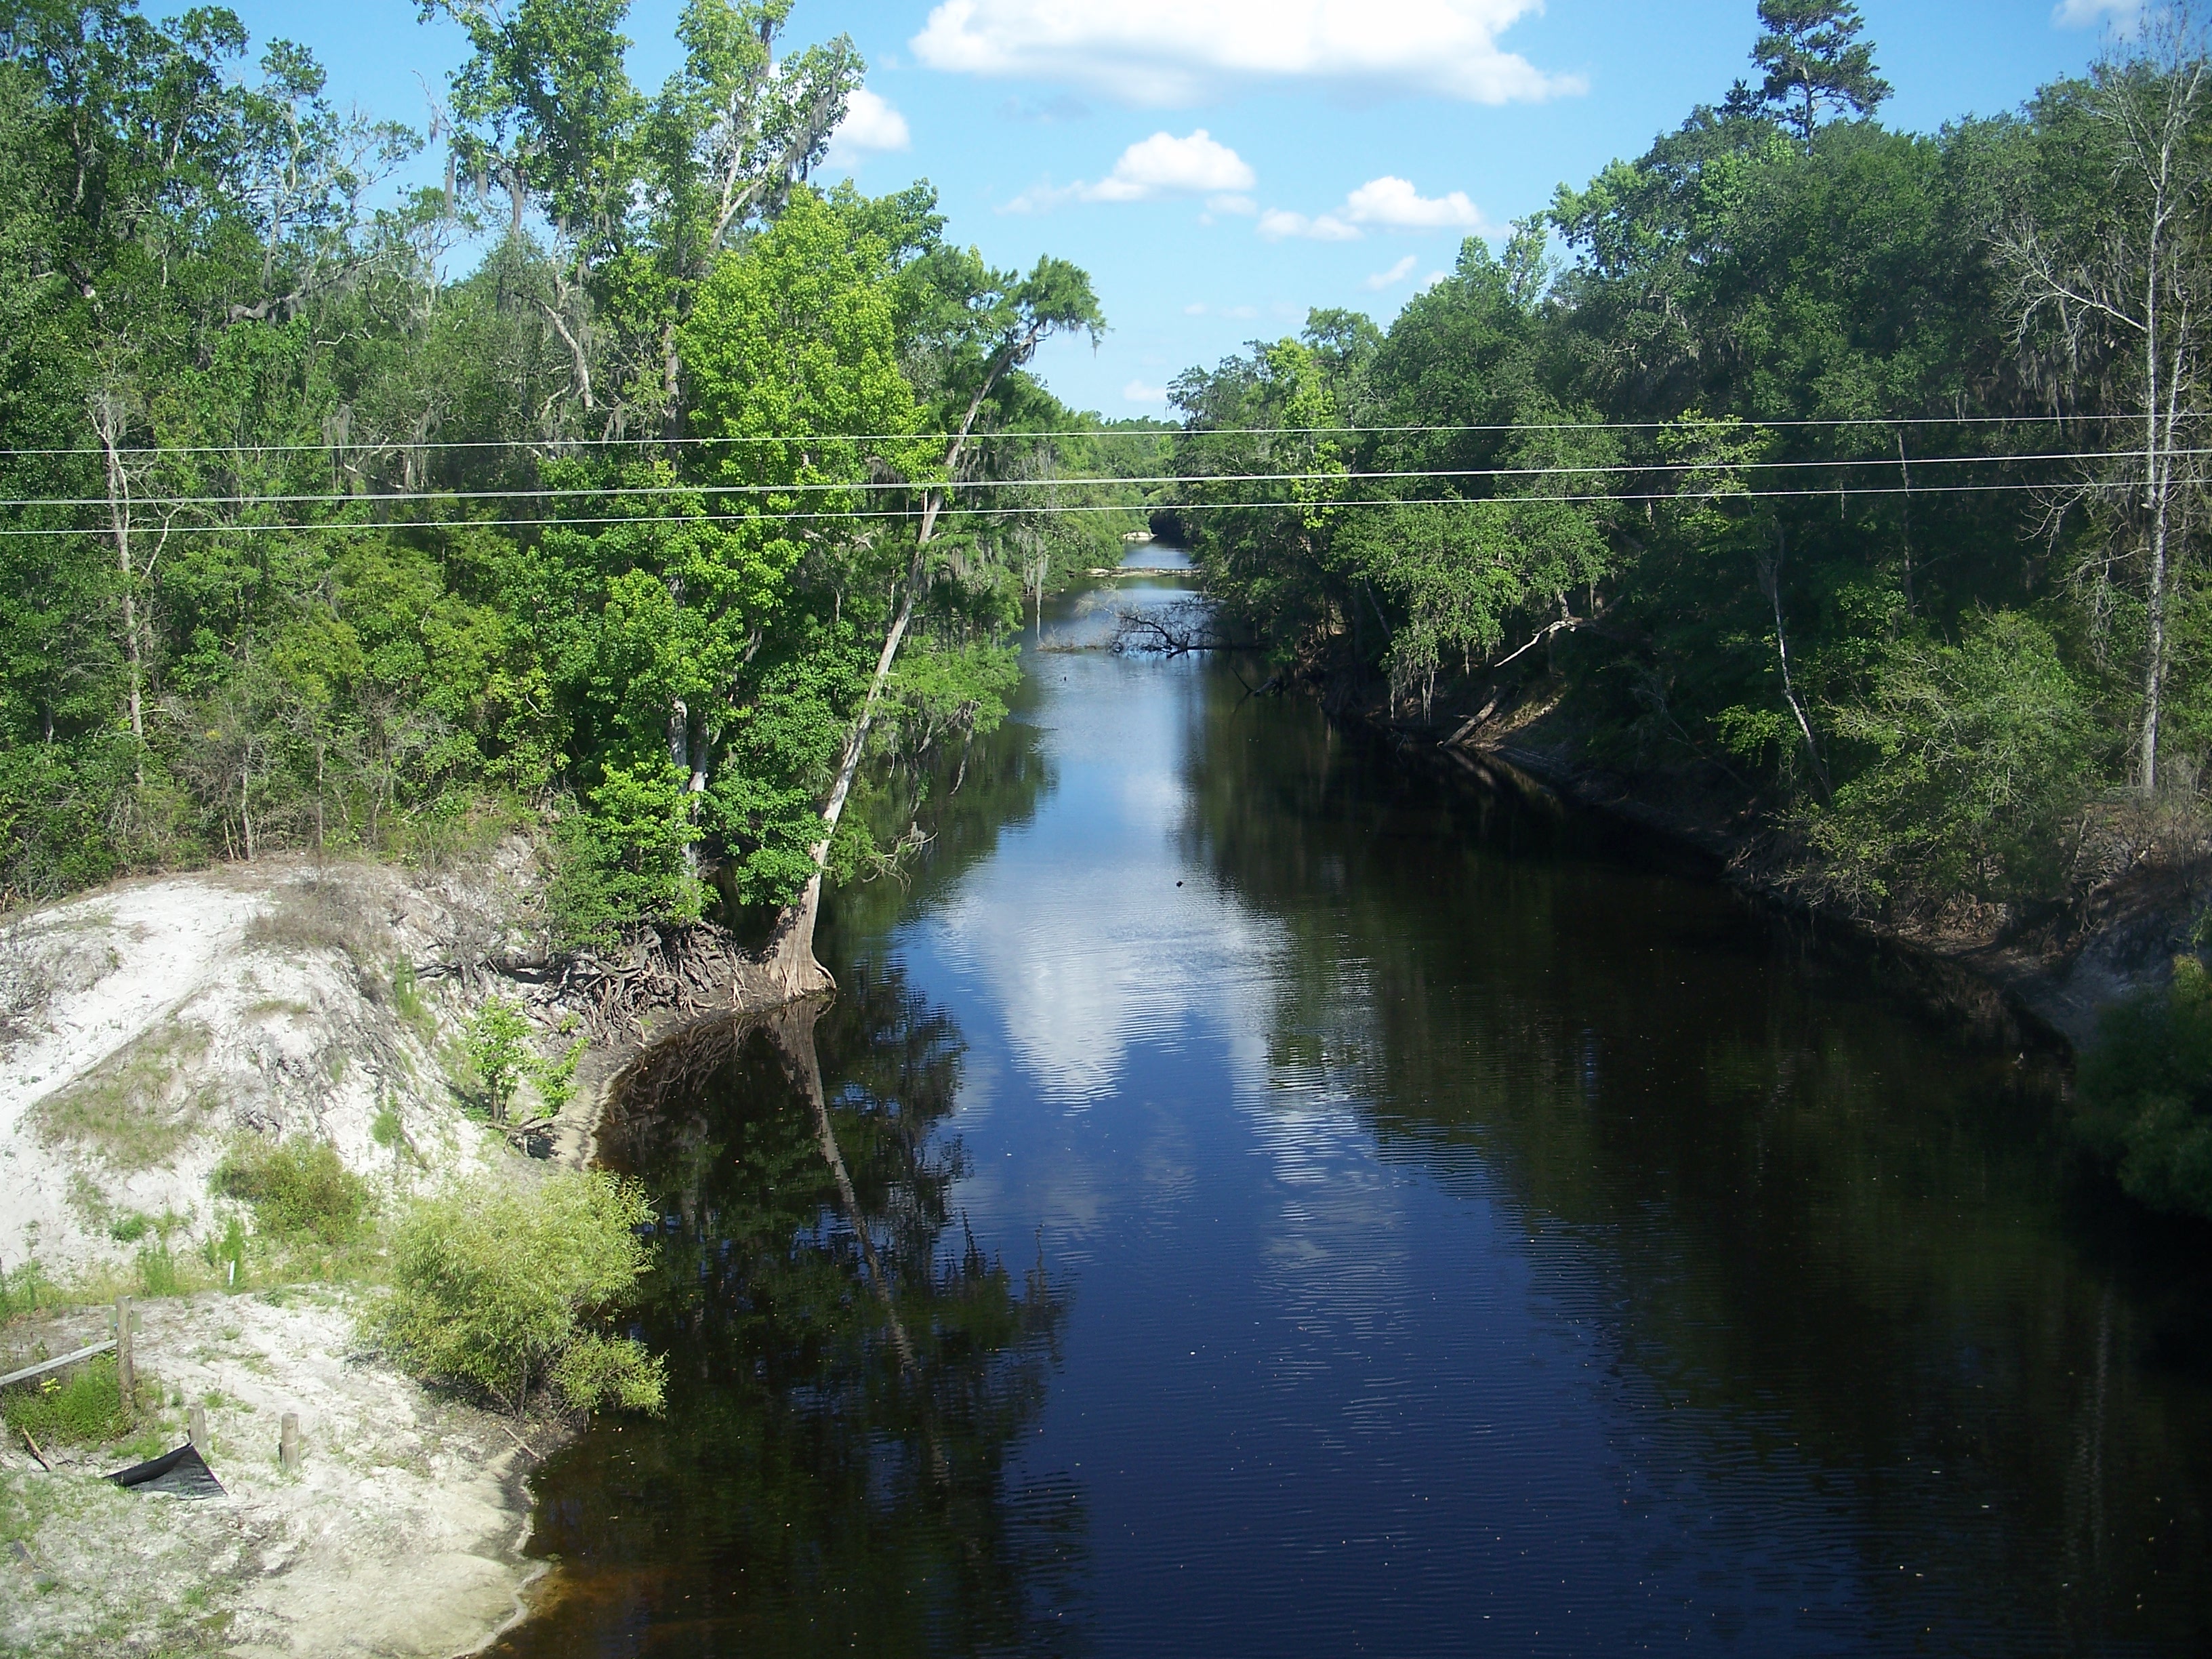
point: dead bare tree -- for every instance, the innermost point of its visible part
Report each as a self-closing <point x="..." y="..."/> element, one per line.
<point x="135" y="559"/>
<point x="2129" y="289"/>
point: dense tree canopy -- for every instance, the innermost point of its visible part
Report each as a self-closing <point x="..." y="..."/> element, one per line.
<point x="1855" y="469"/>
<point x="307" y="544"/>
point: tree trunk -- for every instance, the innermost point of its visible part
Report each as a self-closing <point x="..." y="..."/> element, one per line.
<point x="108" y="420"/>
<point x="789" y="956"/>
<point x="787" y="962"/>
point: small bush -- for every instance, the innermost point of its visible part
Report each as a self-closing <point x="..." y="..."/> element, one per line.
<point x="24" y="1288"/>
<point x="296" y="1187"/>
<point x="619" y="858"/>
<point x="408" y="999"/>
<point x="226" y="1252"/>
<point x="498" y="1047"/>
<point x="502" y="1054"/>
<point x="2146" y="1093"/>
<point x="82" y="1408"/>
<point x="503" y="1289"/>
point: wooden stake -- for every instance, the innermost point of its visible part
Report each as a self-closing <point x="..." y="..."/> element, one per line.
<point x="196" y="1429"/>
<point x="36" y="1453"/>
<point x="127" y="1358"/>
<point x="287" y="1442"/>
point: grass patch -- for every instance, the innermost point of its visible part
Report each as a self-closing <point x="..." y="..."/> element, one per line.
<point x="24" y="1288"/>
<point x="408" y="1000"/>
<point x="131" y="1109"/>
<point x="297" y="1188"/>
<point x="315" y="915"/>
<point x="83" y="1408"/>
<point x="157" y="1271"/>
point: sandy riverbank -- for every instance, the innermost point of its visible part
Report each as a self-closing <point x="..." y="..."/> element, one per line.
<point x="401" y="1534"/>
<point x="147" y="1028"/>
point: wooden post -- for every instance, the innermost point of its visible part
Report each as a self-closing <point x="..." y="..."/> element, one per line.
<point x="196" y="1429"/>
<point x="287" y="1442"/>
<point x="126" y="1360"/>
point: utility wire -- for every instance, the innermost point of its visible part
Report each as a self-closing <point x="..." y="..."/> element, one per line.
<point x="429" y="446"/>
<point x="853" y="514"/>
<point x="1212" y="479"/>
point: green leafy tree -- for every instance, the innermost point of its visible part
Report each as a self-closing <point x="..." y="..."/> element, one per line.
<point x="1978" y="757"/>
<point x="498" y="1047"/>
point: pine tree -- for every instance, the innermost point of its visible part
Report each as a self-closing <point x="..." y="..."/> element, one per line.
<point x="1812" y="57"/>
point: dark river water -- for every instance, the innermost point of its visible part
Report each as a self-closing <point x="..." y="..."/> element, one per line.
<point x="1331" y="1208"/>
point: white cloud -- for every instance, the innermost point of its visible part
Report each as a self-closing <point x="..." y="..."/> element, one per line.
<point x="1195" y="308"/>
<point x="1238" y="204"/>
<point x="1275" y="224"/>
<point x="1395" y="275"/>
<point x="1162" y="165"/>
<point x="1182" y="51"/>
<point x="871" y="127"/>
<point x="1432" y="279"/>
<point x="1138" y="392"/>
<point x="1389" y="203"/>
<point x="1394" y="203"/>
<point x="2087" y="13"/>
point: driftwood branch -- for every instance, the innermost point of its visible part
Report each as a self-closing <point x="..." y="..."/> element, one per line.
<point x="1173" y="630"/>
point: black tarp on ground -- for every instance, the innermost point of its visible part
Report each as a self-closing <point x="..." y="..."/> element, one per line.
<point x="180" y="1474"/>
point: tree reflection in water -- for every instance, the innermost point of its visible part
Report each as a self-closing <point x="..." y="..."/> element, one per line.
<point x="850" y="1370"/>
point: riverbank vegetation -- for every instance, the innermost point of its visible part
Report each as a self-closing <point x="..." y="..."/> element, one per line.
<point x="1853" y="475"/>
<point x="502" y="1287"/>
<point x="657" y="533"/>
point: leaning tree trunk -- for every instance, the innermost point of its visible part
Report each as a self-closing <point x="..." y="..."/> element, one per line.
<point x="787" y="962"/>
<point x="786" y="967"/>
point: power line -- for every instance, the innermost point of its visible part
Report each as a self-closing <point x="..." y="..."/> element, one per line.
<point x="1201" y="479"/>
<point x="856" y="515"/>
<point x="429" y="446"/>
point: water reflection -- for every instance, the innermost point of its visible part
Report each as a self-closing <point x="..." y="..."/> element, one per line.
<point x="1468" y="1231"/>
<point x="849" y="1367"/>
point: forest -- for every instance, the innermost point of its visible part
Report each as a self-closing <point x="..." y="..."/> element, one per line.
<point x="1854" y="471"/>
<point x="1850" y="478"/>
<point x="643" y="536"/>
<point x="1861" y="468"/>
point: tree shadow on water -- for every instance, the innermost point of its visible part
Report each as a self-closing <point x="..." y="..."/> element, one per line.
<point x="850" y="1368"/>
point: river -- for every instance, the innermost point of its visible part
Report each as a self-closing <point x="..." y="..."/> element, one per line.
<point x="1338" y="1207"/>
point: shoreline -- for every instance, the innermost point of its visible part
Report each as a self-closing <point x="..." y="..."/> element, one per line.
<point x="2050" y="976"/>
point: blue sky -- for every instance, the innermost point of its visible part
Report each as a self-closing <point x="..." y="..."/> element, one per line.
<point x="1347" y="147"/>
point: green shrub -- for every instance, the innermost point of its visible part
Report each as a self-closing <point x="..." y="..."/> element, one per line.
<point x="226" y="1251"/>
<point x="24" y="1288"/>
<point x="505" y="1289"/>
<point x="82" y="1408"/>
<point x="502" y="1054"/>
<point x="1966" y="761"/>
<point x="2146" y="1092"/>
<point x="408" y="999"/>
<point x="296" y="1187"/>
<point x="619" y="857"/>
<point x="498" y="1048"/>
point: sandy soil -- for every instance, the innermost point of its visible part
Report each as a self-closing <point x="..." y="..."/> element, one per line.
<point x="146" y="1026"/>
<point x="400" y="1534"/>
